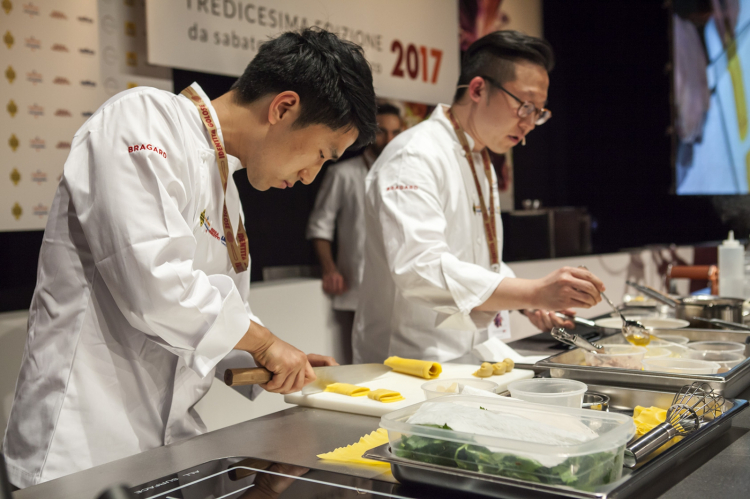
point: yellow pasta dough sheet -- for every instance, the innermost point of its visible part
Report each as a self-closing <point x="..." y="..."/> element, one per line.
<point x="353" y="453"/>
<point x="420" y="368"/>
<point x="384" y="395"/>
<point x="347" y="389"/>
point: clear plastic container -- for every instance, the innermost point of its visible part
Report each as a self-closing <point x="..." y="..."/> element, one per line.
<point x="583" y="466"/>
<point x="432" y="388"/>
<point x="676" y="350"/>
<point x="727" y="360"/>
<point x="551" y="391"/>
<point x="622" y="356"/>
<point x="714" y="347"/>
<point x="681" y="366"/>
<point x="657" y="352"/>
<point x="672" y="338"/>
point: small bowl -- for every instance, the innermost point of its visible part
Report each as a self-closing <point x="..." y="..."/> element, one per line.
<point x="727" y="360"/>
<point x="655" y="352"/>
<point x="714" y="347"/>
<point x="681" y="366"/>
<point x="430" y="388"/>
<point x="620" y="356"/>
<point x="550" y="391"/>
<point x="676" y="351"/>
<point x="648" y="322"/>
<point x="595" y="401"/>
<point x="672" y="338"/>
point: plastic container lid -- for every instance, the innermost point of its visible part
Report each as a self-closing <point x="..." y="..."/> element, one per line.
<point x="657" y="352"/>
<point x="717" y="346"/>
<point x="620" y="356"/>
<point x="431" y="388"/>
<point x="511" y="454"/>
<point x="553" y="391"/>
<point x="681" y="366"/>
<point x="673" y="338"/>
<point x="676" y="350"/>
<point x="727" y="360"/>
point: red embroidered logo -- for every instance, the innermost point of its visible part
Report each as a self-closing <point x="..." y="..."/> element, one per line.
<point x="402" y="188"/>
<point x="147" y="147"/>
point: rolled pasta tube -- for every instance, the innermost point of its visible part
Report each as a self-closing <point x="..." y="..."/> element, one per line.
<point x="347" y="389"/>
<point x="420" y="368"/>
<point x="384" y="395"/>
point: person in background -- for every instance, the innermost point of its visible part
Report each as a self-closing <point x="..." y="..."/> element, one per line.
<point x="340" y="205"/>
<point x="143" y="279"/>
<point x="435" y="286"/>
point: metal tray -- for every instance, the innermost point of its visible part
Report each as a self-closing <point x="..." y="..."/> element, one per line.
<point x="568" y="365"/>
<point x="632" y="481"/>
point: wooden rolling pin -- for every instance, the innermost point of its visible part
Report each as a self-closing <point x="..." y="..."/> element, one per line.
<point x="247" y="376"/>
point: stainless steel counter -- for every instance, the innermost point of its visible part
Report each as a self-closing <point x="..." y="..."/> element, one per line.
<point x="297" y="435"/>
<point x="294" y="436"/>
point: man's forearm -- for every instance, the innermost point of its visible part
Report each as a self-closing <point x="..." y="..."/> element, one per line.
<point x="511" y="294"/>
<point x="325" y="254"/>
<point x="564" y="288"/>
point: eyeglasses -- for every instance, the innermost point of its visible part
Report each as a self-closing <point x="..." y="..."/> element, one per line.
<point x="541" y="116"/>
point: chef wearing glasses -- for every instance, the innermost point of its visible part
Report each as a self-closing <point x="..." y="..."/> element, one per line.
<point x="434" y="285"/>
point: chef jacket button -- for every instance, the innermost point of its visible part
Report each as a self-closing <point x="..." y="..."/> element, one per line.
<point x="479" y="240"/>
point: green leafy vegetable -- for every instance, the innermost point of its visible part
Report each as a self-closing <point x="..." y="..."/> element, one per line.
<point x="581" y="472"/>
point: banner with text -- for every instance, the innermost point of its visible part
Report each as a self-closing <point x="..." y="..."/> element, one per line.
<point x="412" y="46"/>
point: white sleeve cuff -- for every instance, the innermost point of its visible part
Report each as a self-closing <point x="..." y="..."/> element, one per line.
<point x="469" y="284"/>
<point x="229" y="327"/>
<point x="315" y="231"/>
<point x="254" y="318"/>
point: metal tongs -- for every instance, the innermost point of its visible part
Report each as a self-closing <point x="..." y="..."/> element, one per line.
<point x="561" y="335"/>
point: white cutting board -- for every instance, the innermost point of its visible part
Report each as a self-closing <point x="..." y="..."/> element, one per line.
<point x="408" y="386"/>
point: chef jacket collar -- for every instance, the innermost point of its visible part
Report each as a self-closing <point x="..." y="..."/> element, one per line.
<point x="439" y="115"/>
<point x="234" y="162"/>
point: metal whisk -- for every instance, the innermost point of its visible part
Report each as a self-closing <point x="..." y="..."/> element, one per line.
<point x="690" y="406"/>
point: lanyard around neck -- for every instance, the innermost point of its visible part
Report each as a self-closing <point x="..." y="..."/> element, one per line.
<point x="237" y="249"/>
<point x="488" y="215"/>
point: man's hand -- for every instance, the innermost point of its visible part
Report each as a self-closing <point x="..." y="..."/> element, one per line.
<point x="321" y="360"/>
<point x="545" y="320"/>
<point x="290" y="367"/>
<point x="334" y="283"/>
<point x="568" y="287"/>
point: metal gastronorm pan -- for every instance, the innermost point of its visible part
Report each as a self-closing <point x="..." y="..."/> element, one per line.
<point x="568" y="365"/>
<point x="632" y="481"/>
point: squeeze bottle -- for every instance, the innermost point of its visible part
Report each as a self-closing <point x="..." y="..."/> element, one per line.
<point x="731" y="268"/>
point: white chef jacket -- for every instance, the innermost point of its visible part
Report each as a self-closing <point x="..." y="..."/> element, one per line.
<point x="341" y="203"/>
<point x="136" y="299"/>
<point x="427" y="262"/>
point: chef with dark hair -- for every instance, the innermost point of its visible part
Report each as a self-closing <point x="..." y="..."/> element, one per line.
<point x="143" y="280"/>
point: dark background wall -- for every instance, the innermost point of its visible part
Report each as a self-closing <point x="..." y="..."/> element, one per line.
<point x="607" y="148"/>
